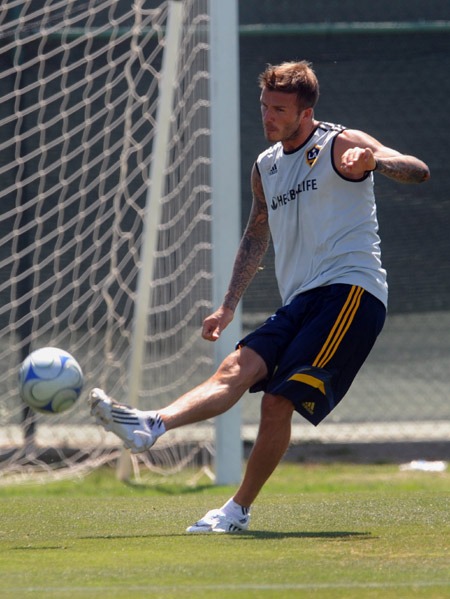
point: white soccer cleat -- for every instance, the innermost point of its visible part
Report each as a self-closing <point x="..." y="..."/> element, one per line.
<point x="218" y="521"/>
<point x="137" y="429"/>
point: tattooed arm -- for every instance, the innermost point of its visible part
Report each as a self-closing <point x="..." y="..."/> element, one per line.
<point x="405" y="169"/>
<point x="355" y="153"/>
<point x="253" y="246"/>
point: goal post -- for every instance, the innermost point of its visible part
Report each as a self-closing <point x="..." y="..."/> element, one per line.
<point x="226" y="195"/>
<point x="120" y="219"/>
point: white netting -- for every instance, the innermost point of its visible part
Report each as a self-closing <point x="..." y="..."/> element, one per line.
<point x="79" y="91"/>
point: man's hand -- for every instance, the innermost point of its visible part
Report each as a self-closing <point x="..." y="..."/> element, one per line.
<point x="214" y="324"/>
<point x="355" y="162"/>
<point x="355" y="153"/>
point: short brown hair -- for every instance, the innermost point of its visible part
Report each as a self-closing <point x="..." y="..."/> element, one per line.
<point x="292" y="77"/>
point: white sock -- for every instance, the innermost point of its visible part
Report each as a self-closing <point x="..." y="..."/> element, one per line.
<point x="234" y="509"/>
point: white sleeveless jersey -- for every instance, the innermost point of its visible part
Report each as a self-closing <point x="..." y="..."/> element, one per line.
<point x="324" y="227"/>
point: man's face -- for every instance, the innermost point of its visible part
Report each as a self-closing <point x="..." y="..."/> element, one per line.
<point x="281" y="116"/>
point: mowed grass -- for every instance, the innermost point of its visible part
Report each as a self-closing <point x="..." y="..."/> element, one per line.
<point x="323" y="531"/>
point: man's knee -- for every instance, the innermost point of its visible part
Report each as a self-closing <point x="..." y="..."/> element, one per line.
<point x="276" y="407"/>
<point x="243" y="367"/>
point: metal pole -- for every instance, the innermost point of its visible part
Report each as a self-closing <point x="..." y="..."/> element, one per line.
<point x="226" y="202"/>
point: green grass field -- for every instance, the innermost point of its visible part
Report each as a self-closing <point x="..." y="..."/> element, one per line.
<point x="323" y="531"/>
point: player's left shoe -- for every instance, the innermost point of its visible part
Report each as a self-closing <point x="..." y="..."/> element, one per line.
<point x="138" y="430"/>
<point x="218" y="521"/>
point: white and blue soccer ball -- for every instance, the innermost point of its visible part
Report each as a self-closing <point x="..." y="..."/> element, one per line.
<point x="50" y="380"/>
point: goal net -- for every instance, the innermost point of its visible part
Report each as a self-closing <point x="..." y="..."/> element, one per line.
<point x="79" y="90"/>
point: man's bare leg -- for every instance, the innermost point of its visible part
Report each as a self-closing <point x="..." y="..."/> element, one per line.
<point x="270" y="446"/>
<point x="239" y="371"/>
<point x="140" y="429"/>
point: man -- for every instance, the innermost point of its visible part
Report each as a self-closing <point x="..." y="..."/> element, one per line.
<point x="313" y="193"/>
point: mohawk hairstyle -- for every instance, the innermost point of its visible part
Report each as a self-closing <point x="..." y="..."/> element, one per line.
<point x="292" y="77"/>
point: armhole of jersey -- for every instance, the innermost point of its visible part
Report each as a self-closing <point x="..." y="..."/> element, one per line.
<point x="336" y="170"/>
<point x="257" y="168"/>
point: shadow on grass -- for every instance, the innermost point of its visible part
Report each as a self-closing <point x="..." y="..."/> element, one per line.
<point x="265" y="534"/>
<point x="167" y="488"/>
<point x="250" y="535"/>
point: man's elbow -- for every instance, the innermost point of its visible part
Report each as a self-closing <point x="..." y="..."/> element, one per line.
<point x="425" y="173"/>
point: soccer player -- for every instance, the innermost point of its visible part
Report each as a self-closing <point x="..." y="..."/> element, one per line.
<point x="313" y="193"/>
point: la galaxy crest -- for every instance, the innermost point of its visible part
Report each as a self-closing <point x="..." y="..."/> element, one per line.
<point x="312" y="154"/>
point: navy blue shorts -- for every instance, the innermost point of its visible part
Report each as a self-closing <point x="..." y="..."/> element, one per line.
<point x="314" y="346"/>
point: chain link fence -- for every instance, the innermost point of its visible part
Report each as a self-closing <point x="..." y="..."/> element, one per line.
<point x="383" y="68"/>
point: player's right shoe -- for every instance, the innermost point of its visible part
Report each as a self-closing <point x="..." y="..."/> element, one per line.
<point x="138" y="430"/>
<point x="218" y="521"/>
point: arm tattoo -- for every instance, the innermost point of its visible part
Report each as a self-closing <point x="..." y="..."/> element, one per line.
<point x="253" y="246"/>
<point x="405" y="169"/>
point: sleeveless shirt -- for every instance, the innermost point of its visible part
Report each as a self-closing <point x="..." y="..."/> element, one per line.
<point x="324" y="227"/>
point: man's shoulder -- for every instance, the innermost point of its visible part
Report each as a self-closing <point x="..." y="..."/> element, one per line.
<point x="271" y="150"/>
<point x="324" y="126"/>
<point x="270" y="153"/>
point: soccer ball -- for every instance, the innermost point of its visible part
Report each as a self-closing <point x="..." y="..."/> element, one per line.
<point x="50" y="380"/>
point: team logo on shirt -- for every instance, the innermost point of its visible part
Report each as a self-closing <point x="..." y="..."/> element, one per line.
<point x="312" y="154"/>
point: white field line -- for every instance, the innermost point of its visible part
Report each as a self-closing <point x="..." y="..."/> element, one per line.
<point x="227" y="587"/>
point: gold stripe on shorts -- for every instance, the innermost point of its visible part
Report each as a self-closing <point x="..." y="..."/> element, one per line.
<point x="340" y="327"/>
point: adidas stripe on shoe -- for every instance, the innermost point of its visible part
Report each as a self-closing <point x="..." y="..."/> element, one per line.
<point x="137" y="429"/>
<point x="218" y="521"/>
